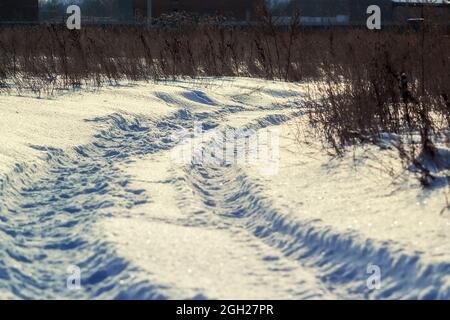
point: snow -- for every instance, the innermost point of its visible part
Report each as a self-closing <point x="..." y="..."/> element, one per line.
<point x="60" y="122"/>
<point x="354" y="202"/>
<point x="356" y="193"/>
<point x="91" y="178"/>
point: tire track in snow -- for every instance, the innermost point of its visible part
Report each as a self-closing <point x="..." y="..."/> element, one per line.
<point x="231" y="199"/>
<point x="46" y="219"/>
<point x="47" y="214"/>
<point x="196" y="255"/>
<point x="220" y="197"/>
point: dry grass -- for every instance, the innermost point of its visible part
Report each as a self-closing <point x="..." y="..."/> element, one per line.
<point x="358" y="70"/>
<point x="361" y="95"/>
<point x="45" y="58"/>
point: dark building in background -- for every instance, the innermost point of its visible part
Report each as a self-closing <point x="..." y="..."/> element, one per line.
<point x="25" y="11"/>
<point x="323" y="12"/>
<point x="339" y="12"/>
<point x="126" y="8"/>
<point x="139" y="11"/>
<point x="237" y="9"/>
<point x="437" y="12"/>
<point x="313" y="12"/>
<point x="320" y="8"/>
<point x="143" y="9"/>
<point x="354" y="12"/>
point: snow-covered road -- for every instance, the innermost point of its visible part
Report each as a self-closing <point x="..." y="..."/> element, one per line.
<point x="92" y="181"/>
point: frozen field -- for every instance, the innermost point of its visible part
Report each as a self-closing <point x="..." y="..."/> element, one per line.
<point x="98" y="181"/>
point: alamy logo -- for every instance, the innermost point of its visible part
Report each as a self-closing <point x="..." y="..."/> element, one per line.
<point x="374" y="280"/>
<point x="244" y="147"/>
<point x="374" y="19"/>
<point x="74" y="20"/>
<point x="73" y="281"/>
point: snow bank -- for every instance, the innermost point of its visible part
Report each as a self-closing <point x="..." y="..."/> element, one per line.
<point x="89" y="179"/>
<point x="345" y="214"/>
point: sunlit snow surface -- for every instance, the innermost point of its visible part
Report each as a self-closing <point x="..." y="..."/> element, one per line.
<point x="88" y="179"/>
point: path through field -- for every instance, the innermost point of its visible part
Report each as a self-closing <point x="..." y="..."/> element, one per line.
<point x="139" y="225"/>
